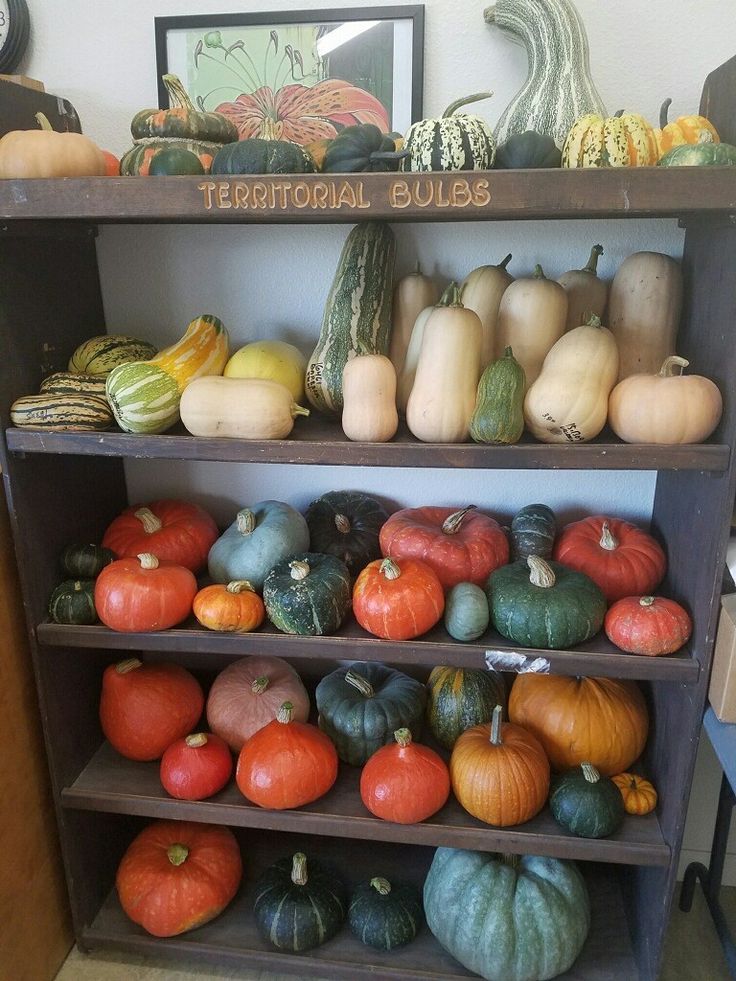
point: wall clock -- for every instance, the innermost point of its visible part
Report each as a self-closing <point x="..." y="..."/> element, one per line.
<point x="15" y="27"/>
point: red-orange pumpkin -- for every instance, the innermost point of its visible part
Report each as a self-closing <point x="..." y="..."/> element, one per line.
<point x="236" y="607"/>
<point x="173" y="530"/>
<point x="649" y="625"/>
<point x="620" y="558"/>
<point x="404" y="782"/>
<point x="196" y="766"/>
<point x="145" y="707"/>
<point x="177" y="875"/>
<point x="398" y="599"/>
<point x="144" y="594"/>
<point x="461" y="546"/>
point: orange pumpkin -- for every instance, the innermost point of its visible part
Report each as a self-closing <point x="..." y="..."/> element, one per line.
<point x="398" y="599"/>
<point x="236" y="608"/>
<point x="685" y="129"/>
<point x="639" y="794"/>
<point x="404" y="782"/>
<point x="601" y="721"/>
<point x="46" y="153"/>
<point x="650" y="625"/>
<point x="499" y="772"/>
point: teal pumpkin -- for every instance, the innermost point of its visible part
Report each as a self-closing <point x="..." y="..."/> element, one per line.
<point x="460" y="698"/>
<point x="309" y="594"/>
<point x="585" y="803"/>
<point x="533" y="531"/>
<point x="385" y="915"/>
<point x="86" y="561"/>
<point x="257" y="540"/>
<point x="361" y="706"/>
<point x="544" y="604"/>
<point x="346" y="524"/>
<point x="466" y="612"/>
<point x="511" y="918"/>
<point x="699" y="155"/>
<point x="73" y="601"/>
<point x="255" y="156"/>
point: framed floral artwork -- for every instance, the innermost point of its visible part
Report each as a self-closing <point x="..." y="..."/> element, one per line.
<point x="299" y="75"/>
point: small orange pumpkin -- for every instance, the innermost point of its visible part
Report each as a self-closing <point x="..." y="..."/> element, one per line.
<point x="235" y="607"/>
<point x="639" y="794"/>
<point x="685" y="129"/>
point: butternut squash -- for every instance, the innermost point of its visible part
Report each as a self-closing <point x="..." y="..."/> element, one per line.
<point x="644" y="308"/>
<point x="239" y="408"/>
<point x="412" y="294"/>
<point x="586" y="293"/>
<point x="568" y="403"/>
<point x="405" y="380"/>
<point x="481" y="291"/>
<point x="369" y="399"/>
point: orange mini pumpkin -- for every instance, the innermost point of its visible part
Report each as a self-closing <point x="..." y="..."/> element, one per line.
<point x="639" y="794"/>
<point x="236" y="608"/>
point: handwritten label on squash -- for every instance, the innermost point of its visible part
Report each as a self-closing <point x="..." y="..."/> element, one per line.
<point x="518" y="663"/>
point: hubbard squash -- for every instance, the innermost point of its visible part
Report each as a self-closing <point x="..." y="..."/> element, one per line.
<point x="412" y="294"/>
<point x="239" y="408"/>
<point x="498" y="416"/>
<point x="273" y="361"/>
<point x="466" y="612"/>
<point x="369" y="399"/>
<point x="481" y="291"/>
<point x="586" y="293"/>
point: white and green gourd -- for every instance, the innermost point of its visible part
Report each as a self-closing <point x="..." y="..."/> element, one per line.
<point x="454" y="141"/>
<point x="559" y="88"/>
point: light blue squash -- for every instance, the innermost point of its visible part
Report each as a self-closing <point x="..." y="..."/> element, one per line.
<point x="466" y="612"/>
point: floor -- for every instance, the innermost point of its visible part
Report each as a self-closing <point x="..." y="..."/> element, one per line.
<point x="692" y="954"/>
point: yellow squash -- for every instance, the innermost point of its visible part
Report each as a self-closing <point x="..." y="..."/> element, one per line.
<point x="272" y="360"/>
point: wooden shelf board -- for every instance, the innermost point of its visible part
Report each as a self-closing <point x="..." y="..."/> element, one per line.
<point x="322" y="442"/>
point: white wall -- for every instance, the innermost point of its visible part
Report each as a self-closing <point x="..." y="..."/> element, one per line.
<point x="268" y="281"/>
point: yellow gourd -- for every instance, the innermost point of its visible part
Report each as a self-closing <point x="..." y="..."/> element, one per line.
<point x="239" y="408"/>
<point x="481" y="291"/>
<point x="412" y="294"/>
<point x="272" y="360"/>
<point x="369" y="399"/>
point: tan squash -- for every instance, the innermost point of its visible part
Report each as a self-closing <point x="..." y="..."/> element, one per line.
<point x="405" y="377"/>
<point x="46" y="153"/>
<point x="644" y="307"/>
<point x="568" y="403"/>
<point x="412" y="294"/>
<point x="665" y="408"/>
<point x="443" y="397"/>
<point x="369" y="399"/>
<point x="586" y="293"/>
<point x="239" y="408"/>
<point x="481" y="291"/>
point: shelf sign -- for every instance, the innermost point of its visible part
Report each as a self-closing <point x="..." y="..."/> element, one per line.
<point x="292" y="194"/>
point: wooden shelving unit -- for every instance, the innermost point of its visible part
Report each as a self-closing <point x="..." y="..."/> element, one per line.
<point x="66" y="487"/>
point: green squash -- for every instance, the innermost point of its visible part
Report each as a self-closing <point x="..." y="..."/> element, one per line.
<point x="498" y="416"/>
<point x="182" y="120"/>
<point x="533" y="532"/>
<point x="510" y="918"/>
<point x="86" y="561"/>
<point x="309" y="594"/>
<point x="73" y="601"/>
<point x="466" y="612"/>
<point x="346" y="524"/>
<point x="175" y="162"/>
<point x="460" y="698"/>
<point x="383" y="915"/>
<point x="361" y="706"/>
<point x="699" y="155"/>
<point x="256" y="156"/>
<point x="298" y="907"/>
<point x="259" y="538"/>
<point x="544" y="604"/>
<point x="528" y="150"/>
<point x="452" y="142"/>
<point x="585" y="803"/>
<point x="361" y="149"/>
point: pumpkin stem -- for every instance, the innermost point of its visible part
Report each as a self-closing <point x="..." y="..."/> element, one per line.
<point x="504" y="262"/>
<point x="148" y="560"/>
<point x="299" y="570"/>
<point x="299" y="869"/>
<point x="590" y="773"/>
<point x="663" y="121"/>
<point x="149" y="520"/>
<point x="540" y="572"/>
<point x="513" y="861"/>
<point x="403" y="737"/>
<point x="259" y="685"/>
<point x="196" y="740"/>
<point x="383" y="886"/>
<point x="496" y="726"/>
<point x="285" y="713"/>
<point x="129" y="664"/>
<point x="619" y="114"/>
<point x="451" y="525"/>
<point x="458" y="103"/>
<point x="489" y="14"/>
<point x="342" y="523"/>
<point x="670" y="364"/>
<point x="246" y="521"/>
<point x="44" y="123"/>
<point x="592" y="320"/>
<point x="607" y="540"/>
<point x="451" y="297"/>
<point x="239" y="586"/>
<point x="78" y="586"/>
<point x="538" y="272"/>
<point x="178" y="96"/>
<point x="595" y="253"/>
<point x="298" y="410"/>
<point x="508" y="352"/>
<point x="646" y="601"/>
<point x="362" y="684"/>
<point x="389" y="569"/>
<point x="177" y="854"/>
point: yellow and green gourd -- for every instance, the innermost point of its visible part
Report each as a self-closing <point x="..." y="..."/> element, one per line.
<point x="623" y="140"/>
<point x="499" y="407"/>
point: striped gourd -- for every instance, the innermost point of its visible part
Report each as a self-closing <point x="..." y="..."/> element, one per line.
<point x="71" y="383"/>
<point x="452" y="142"/>
<point x="623" y="140"/>
<point x="61" y="413"/>
<point x="559" y="88"/>
<point x="99" y="355"/>
<point x="357" y="317"/>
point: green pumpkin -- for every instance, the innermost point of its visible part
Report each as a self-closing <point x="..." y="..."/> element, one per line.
<point x="360" y="149"/>
<point x="498" y="416"/>
<point x="544" y="604"/>
<point x="511" y="918"/>
<point x="383" y="915"/>
<point x="137" y="161"/>
<point x="346" y="524"/>
<point x="361" y="706"/>
<point x="182" y="120"/>
<point x="175" y="162"/>
<point x="699" y="155"/>
<point x="452" y="142"/>
<point x="259" y="538"/>
<point x="533" y="532"/>
<point x="86" y="561"/>
<point x="256" y="156"/>
<point x="309" y="594"/>
<point x="528" y="150"/>
<point x="466" y="612"/>
<point x="299" y="906"/>
<point x="73" y="601"/>
<point x="585" y="803"/>
<point x="460" y="698"/>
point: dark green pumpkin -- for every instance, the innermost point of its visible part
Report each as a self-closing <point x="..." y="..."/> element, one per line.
<point x="361" y="706"/>
<point x="308" y="594"/>
<point x="498" y="416"/>
<point x="383" y="915"/>
<point x="528" y="150"/>
<point x="533" y="531"/>
<point x="299" y="906"/>
<point x="182" y="120"/>
<point x="360" y="149"/>
<point x="346" y="524"/>
<point x="137" y="161"/>
<point x="86" y="561"/>
<point x="544" y="604"/>
<point x="585" y="803"/>
<point x="173" y="162"/>
<point x="460" y="698"/>
<point x="699" y="155"/>
<point x="73" y="601"/>
<point x="256" y="156"/>
<point x="466" y="612"/>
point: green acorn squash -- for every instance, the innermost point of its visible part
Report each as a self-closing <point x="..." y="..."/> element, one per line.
<point x="309" y="594"/>
<point x="255" y="156"/>
<point x="383" y="915"/>
<point x="466" y="612"/>
<point x="498" y="416"/>
<point x="460" y="698"/>
<point x="359" y="149"/>
<point x="73" y="601"/>
<point x="700" y="155"/>
<point x="528" y="150"/>
<point x="86" y="561"/>
<point x="585" y="803"/>
<point x="346" y="524"/>
<point x="533" y="531"/>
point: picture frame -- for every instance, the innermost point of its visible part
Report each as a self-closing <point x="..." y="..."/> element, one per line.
<point x="299" y="75"/>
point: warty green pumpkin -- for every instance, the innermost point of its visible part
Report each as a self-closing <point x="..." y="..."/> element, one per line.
<point x="455" y="141"/>
<point x="498" y="416"/>
<point x="585" y="803"/>
<point x="309" y="594"/>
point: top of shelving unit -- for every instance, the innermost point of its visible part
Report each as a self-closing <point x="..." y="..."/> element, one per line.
<point x="646" y="192"/>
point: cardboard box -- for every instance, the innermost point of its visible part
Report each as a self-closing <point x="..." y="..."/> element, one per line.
<point x="722" y="692"/>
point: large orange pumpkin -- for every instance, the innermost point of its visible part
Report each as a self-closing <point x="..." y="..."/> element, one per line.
<point x="601" y="721"/>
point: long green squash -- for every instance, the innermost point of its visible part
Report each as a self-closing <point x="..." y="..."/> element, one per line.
<point x="357" y="317"/>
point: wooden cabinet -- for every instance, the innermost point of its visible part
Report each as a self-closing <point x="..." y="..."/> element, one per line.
<point x="64" y="487"/>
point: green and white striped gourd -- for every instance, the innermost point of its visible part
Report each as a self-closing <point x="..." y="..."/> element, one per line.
<point x="559" y="88"/>
<point x="454" y="141"/>
<point x="62" y="413"/>
<point x="357" y="317"/>
<point x="70" y="383"/>
<point x="99" y="355"/>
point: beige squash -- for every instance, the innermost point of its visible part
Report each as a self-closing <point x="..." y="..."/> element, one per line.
<point x="644" y="307"/>
<point x="666" y="407"/>
<point x="369" y="399"/>
<point x="405" y="380"/>
<point x="442" y="399"/>
<point x="568" y="403"/>
<point x="239" y="408"/>
<point x="531" y="317"/>
<point x="412" y="294"/>
<point x="481" y="291"/>
<point x="586" y="293"/>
